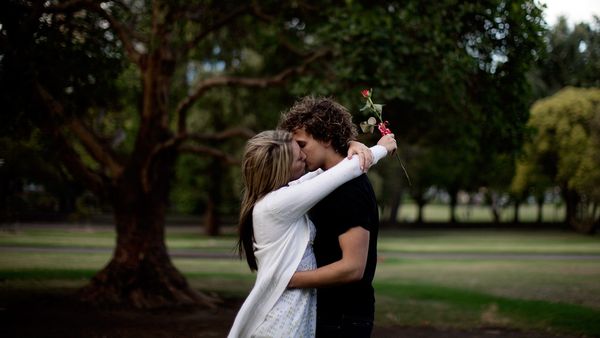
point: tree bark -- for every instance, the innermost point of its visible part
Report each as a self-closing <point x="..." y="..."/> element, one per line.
<point x="396" y="202"/>
<point x="571" y="199"/>
<point x="420" y="205"/>
<point x="494" y="207"/>
<point x="212" y="219"/>
<point x="516" y="211"/>
<point x="453" y="202"/>
<point x="140" y="273"/>
<point x="540" y="209"/>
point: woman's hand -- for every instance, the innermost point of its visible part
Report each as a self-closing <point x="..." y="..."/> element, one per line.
<point x="365" y="157"/>
<point x="389" y="142"/>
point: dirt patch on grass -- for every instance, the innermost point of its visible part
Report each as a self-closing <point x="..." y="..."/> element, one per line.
<point x="39" y="313"/>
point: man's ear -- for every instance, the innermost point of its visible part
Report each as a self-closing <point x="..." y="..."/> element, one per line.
<point x="326" y="144"/>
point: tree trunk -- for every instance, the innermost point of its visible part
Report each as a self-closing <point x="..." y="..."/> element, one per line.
<point x="584" y="221"/>
<point x="212" y="220"/>
<point x="516" y="212"/>
<point x="494" y="207"/>
<point x="596" y="219"/>
<point x="571" y="201"/>
<point x="396" y="202"/>
<point x="540" y="209"/>
<point x="453" y="202"/>
<point x="420" y="205"/>
<point x="140" y="273"/>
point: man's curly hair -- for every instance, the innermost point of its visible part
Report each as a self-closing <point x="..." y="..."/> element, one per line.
<point x="324" y="119"/>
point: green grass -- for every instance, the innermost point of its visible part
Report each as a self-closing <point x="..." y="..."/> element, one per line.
<point x="485" y="241"/>
<point x="101" y="237"/>
<point x="464" y="213"/>
<point x="561" y="282"/>
<point x="488" y="241"/>
<point x="559" y="296"/>
<point x="430" y="304"/>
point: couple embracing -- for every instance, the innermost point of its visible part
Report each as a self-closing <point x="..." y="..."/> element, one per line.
<point x="311" y="238"/>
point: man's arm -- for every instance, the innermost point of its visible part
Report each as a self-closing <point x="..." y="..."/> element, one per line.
<point x="355" y="248"/>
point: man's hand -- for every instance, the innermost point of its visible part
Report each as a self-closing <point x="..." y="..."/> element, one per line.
<point x="389" y="142"/>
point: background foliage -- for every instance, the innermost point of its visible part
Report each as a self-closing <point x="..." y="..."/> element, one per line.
<point x="457" y="79"/>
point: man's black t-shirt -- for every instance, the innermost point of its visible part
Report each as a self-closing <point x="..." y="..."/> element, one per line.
<point x="352" y="204"/>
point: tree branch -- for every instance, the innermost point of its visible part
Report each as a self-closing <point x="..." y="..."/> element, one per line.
<point x="282" y="41"/>
<point x="98" y="151"/>
<point x="121" y="30"/>
<point x="259" y="82"/>
<point x="217" y="25"/>
<point x="204" y="150"/>
<point x="225" y="134"/>
<point x="176" y="142"/>
<point x="89" y="140"/>
<point x="93" y="180"/>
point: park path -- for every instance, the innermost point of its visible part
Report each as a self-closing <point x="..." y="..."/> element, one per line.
<point x="198" y="253"/>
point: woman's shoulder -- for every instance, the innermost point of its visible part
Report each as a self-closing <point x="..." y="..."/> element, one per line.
<point x="267" y="202"/>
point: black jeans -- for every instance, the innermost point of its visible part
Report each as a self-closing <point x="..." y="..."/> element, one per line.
<point x="344" y="327"/>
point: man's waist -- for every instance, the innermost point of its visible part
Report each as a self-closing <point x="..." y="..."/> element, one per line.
<point x="354" y="302"/>
<point x="344" y="317"/>
<point x="338" y="309"/>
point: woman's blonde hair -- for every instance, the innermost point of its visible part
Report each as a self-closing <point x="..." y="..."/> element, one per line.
<point x="266" y="166"/>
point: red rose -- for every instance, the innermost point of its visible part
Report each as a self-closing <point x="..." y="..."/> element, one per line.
<point x="382" y="125"/>
<point x="383" y="129"/>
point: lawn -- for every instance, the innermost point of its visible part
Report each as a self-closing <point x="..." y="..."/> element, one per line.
<point x="542" y="281"/>
<point x="436" y="212"/>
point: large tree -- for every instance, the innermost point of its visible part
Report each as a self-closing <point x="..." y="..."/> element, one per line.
<point x="571" y="58"/>
<point x="452" y="75"/>
<point x="564" y="150"/>
<point x="81" y="63"/>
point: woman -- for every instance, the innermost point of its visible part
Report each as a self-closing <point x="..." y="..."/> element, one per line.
<point x="276" y="234"/>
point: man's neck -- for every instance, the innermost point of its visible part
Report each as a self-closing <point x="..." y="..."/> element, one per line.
<point x="332" y="160"/>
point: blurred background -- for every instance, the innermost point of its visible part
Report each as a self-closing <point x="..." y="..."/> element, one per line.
<point x="129" y="117"/>
<point x="494" y="102"/>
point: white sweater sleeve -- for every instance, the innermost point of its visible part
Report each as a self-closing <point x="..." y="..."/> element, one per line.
<point x="295" y="200"/>
<point x="306" y="176"/>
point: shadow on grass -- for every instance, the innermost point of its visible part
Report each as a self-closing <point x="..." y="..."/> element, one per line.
<point x="34" y="303"/>
<point x="434" y="303"/>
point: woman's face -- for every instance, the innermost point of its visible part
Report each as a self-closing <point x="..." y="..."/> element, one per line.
<point x="315" y="151"/>
<point x="299" y="162"/>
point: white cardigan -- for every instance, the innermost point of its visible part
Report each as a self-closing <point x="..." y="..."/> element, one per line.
<point x="281" y="234"/>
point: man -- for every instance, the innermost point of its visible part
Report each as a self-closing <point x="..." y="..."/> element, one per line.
<point x="347" y="223"/>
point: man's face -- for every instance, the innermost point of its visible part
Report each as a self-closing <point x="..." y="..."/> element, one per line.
<point x="315" y="150"/>
<point x="299" y="164"/>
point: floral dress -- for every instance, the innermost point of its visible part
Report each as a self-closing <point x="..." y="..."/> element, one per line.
<point x="294" y="314"/>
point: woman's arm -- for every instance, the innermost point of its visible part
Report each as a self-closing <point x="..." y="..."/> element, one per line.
<point x="295" y="200"/>
<point x="307" y="176"/>
<point x="365" y="157"/>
